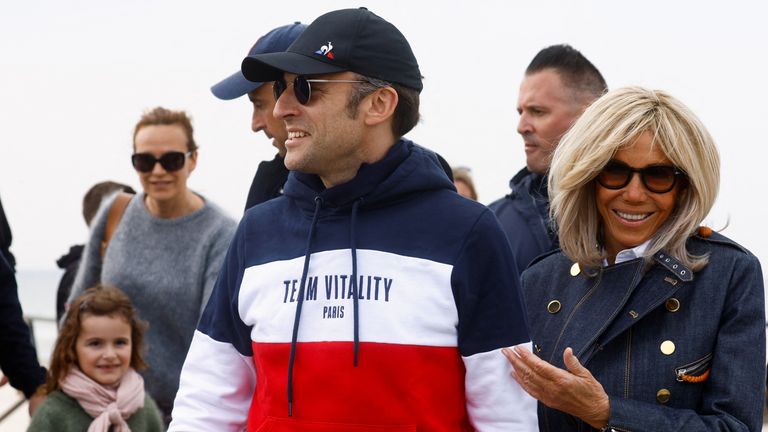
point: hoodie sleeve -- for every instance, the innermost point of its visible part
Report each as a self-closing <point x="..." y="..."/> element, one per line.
<point x="491" y="317"/>
<point x="218" y="378"/>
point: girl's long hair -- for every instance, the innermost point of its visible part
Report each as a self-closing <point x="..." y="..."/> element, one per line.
<point x="99" y="300"/>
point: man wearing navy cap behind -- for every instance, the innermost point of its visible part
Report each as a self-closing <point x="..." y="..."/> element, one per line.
<point x="374" y="297"/>
<point x="271" y="175"/>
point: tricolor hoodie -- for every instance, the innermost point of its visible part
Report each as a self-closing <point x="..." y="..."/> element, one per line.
<point x="380" y="304"/>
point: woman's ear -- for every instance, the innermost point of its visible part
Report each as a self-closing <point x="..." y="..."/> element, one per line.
<point x="381" y="105"/>
<point x="192" y="161"/>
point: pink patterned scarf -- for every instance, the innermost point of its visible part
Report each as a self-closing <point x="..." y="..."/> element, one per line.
<point x="108" y="406"/>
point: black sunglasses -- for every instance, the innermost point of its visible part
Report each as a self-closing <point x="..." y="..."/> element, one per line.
<point x="656" y="178"/>
<point x="170" y="161"/>
<point x="302" y="87"/>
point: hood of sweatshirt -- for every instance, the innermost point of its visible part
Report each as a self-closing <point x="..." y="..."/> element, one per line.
<point x="406" y="169"/>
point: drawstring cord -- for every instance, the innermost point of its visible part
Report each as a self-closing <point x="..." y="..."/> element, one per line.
<point x="353" y="247"/>
<point x="297" y="317"/>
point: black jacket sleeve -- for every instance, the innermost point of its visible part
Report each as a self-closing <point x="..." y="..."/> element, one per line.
<point x="18" y="358"/>
<point x="5" y="238"/>
<point x="268" y="182"/>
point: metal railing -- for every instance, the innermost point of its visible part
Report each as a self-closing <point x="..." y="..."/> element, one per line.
<point x="31" y="320"/>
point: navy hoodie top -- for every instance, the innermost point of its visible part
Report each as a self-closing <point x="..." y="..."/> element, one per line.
<point x="381" y="301"/>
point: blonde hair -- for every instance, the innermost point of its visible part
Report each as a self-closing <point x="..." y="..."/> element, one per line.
<point x="462" y="174"/>
<point x="615" y="120"/>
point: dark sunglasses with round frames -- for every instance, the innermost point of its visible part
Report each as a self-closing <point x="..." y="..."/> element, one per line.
<point x="655" y="178"/>
<point x="170" y="161"/>
<point x="302" y="87"/>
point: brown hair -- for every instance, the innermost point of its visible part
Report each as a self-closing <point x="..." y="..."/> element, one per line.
<point x="406" y="114"/>
<point x="162" y="116"/>
<point x="99" y="300"/>
<point x="94" y="196"/>
<point x="462" y="174"/>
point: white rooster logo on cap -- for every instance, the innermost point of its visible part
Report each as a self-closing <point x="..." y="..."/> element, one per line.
<point x="325" y="50"/>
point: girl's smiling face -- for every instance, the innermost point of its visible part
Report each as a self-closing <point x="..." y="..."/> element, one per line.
<point x="104" y="348"/>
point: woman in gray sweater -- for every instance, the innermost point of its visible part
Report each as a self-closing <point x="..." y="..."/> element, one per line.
<point x="166" y="251"/>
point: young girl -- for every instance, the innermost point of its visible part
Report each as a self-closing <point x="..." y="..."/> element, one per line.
<point x="92" y="382"/>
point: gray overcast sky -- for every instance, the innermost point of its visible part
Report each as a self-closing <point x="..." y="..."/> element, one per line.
<point x="77" y="74"/>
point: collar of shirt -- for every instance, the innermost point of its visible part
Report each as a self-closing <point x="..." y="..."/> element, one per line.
<point x="629" y="254"/>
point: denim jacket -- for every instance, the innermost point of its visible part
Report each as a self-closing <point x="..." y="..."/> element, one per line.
<point x="674" y="351"/>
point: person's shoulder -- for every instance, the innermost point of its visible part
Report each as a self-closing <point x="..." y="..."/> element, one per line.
<point x="58" y="396"/>
<point x="547" y="263"/>
<point x="714" y="242"/>
<point x="55" y="405"/>
<point x="148" y="418"/>
<point x="213" y="212"/>
<point x="149" y="402"/>
<point x="550" y="257"/>
<point x="517" y="184"/>
<point x="454" y="208"/>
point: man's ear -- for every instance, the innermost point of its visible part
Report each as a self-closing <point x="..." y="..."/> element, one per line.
<point x="381" y="106"/>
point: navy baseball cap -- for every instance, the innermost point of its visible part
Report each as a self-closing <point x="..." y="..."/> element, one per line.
<point x="355" y="40"/>
<point x="276" y="40"/>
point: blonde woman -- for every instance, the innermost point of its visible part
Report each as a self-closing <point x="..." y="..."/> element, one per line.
<point x="644" y="321"/>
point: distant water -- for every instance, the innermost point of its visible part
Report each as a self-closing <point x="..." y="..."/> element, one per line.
<point x="37" y="294"/>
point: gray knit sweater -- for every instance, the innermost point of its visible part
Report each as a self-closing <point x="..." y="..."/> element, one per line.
<point x="167" y="267"/>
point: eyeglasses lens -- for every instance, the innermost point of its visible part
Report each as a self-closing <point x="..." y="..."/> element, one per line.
<point x="171" y="161"/>
<point x="657" y="179"/>
<point x="278" y="87"/>
<point x="614" y="176"/>
<point x="301" y="89"/>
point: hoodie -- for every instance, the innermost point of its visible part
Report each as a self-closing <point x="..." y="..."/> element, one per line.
<point x="378" y="304"/>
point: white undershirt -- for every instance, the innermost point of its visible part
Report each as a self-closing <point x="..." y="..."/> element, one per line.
<point x="629" y="254"/>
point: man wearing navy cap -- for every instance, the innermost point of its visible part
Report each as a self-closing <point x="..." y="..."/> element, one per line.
<point x="271" y="175"/>
<point x="370" y="296"/>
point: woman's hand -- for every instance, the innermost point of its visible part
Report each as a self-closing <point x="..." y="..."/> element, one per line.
<point x="574" y="391"/>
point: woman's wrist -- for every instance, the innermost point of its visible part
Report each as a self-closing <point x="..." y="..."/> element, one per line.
<point x="602" y="414"/>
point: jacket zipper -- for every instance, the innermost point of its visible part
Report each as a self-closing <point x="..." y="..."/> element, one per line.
<point x="693" y="369"/>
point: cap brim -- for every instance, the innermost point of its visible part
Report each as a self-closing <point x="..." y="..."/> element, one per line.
<point x="234" y="86"/>
<point x="270" y="66"/>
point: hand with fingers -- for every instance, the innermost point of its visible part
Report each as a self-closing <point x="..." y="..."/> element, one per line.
<point x="574" y="391"/>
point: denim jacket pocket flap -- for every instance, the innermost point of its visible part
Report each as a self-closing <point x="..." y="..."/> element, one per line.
<point x="696" y="371"/>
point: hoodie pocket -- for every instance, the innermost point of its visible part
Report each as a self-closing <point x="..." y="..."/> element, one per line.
<point x="274" y="424"/>
<point x="696" y="371"/>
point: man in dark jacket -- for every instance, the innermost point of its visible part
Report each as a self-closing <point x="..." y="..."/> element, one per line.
<point x="271" y="175"/>
<point x="559" y="84"/>
<point x="18" y="357"/>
